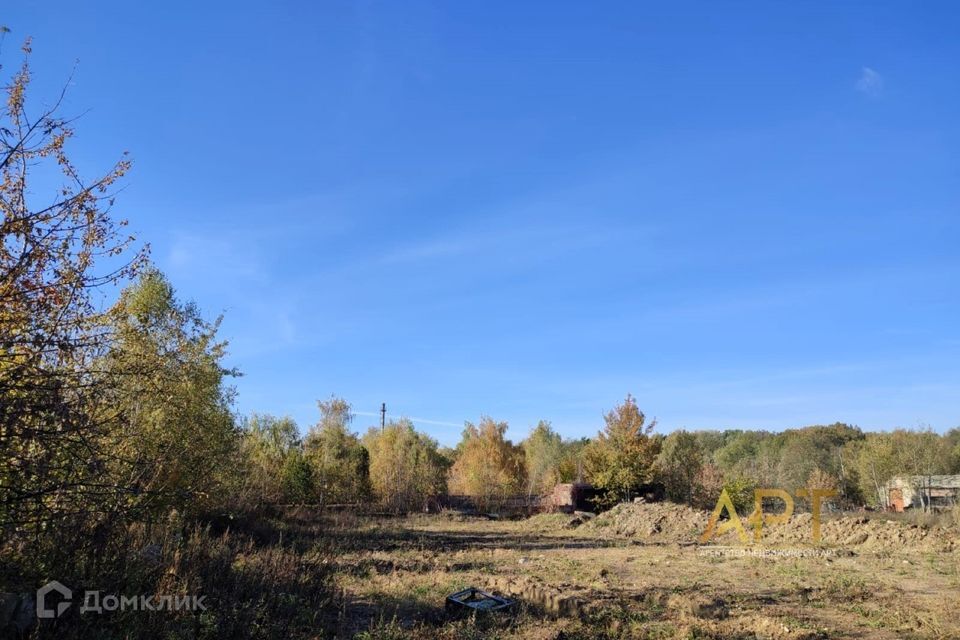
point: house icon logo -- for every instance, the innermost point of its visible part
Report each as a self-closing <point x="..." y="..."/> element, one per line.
<point x="44" y="592"/>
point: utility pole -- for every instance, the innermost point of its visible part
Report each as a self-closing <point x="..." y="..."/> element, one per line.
<point x="383" y="416"/>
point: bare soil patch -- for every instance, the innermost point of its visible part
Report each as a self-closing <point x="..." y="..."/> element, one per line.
<point x="640" y="575"/>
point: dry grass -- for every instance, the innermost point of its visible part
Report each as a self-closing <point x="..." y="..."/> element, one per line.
<point x="348" y="576"/>
<point x="395" y="573"/>
<point x="260" y="579"/>
<point x="941" y="518"/>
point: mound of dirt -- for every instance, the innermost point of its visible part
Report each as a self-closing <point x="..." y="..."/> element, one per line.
<point x="563" y="599"/>
<point x="662" y="522"/>
<point x="865" y="533"/>
<point x="546" y="521"/>
<point x="665" y="522"/>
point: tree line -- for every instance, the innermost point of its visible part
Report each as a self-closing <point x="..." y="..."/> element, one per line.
<point x="402" y="469"/>
<point x="398" y="468"/>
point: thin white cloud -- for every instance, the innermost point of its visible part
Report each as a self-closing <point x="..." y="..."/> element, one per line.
<point x="870" y="82"/>
<point x="509" y="239"/>
<point x="439" y="423"/>
<point x="212" y="258"/>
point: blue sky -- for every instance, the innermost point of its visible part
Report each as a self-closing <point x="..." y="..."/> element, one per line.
<point x="747" y="216"/>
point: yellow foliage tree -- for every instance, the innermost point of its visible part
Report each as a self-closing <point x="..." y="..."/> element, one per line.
<point x="489" y="467"/>
<point x="405" y="468"/>
<point x="339" y="463"/>
<point x="621" y="457"/>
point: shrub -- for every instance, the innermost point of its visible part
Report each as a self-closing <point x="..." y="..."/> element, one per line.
<point x="740" y="489"/>
<point x="251" y="589"/>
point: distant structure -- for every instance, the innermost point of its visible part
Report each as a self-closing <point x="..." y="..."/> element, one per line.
<point x="937" y="492"/>
<point x="569" y="497"/>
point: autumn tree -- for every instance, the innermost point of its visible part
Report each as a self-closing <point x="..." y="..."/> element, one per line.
<point x="488" y="467"/>
<point x="740" y="489"/>
<point x="406" y="469"/>
<point x="754" y="454"/>
<point x="570" y="468"/>
<point x="340" y="462"/>
<point x="678" y="464"/>
<point x="58" y="251"/>
<point x="268" y="444"/>
<point x="621" y="457"/>
<point x="543" y="453"/>
<point x="818" y="448"/>
<point x="708" y="483"/>
<point x="172" y="430"/>
<point x="710" y="442"/>
<point x="875" y="461"/>
<point x="820" y="480"/>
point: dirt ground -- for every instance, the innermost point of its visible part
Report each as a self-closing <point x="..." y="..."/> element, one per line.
<point x="639" y="573"/>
